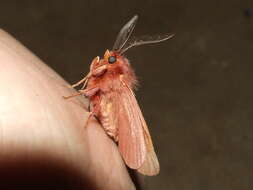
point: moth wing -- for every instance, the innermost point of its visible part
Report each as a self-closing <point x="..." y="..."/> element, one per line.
<point x="151" y="165"/>
<point x="122" y="124"/>
<point x="135" y="142"/>
<point x="131" y="140"/>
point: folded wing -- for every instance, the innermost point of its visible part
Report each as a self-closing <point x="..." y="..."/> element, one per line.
<point x="135" y="143"/>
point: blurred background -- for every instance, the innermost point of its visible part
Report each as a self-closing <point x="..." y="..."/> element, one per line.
<point x="195" y="89"/>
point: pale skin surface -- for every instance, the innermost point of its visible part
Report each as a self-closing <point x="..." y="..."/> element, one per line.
<point x="39" y="127"/>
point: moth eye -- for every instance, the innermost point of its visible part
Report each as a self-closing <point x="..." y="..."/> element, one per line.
<point x="112" y="59"/>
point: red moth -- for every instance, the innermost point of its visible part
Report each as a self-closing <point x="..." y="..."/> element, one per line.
<point x="109" y="86"/>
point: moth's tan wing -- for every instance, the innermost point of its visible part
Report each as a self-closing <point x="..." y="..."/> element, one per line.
<point x="130" y="133"/>
<point x="135" y="143"/>
<point x="121" y="123"/>
<point x="151" y="165"/>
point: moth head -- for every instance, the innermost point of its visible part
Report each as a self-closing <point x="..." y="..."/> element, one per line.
<point x="115" y="62"/>
<point x="112" y="58"/>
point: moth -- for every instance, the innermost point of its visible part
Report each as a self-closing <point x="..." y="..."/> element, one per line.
<point x="109" y="86"/>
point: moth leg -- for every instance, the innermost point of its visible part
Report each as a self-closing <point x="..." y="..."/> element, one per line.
<point x="112" y="134"/>
<point x="89" y="91"/>
<point x="86" y="92"/>
<point x="99" y="71"/>
<point x="84" y="80"/>
<point x="71" y="96"/>
<point x="94" y="62"/>
<point x="93" y="113"/>
<point x="88" y="119"/>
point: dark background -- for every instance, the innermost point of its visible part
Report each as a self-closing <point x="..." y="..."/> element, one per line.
<point x="196" y="89"/>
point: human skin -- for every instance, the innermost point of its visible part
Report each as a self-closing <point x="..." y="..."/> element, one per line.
<point x="43" y="139"/>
